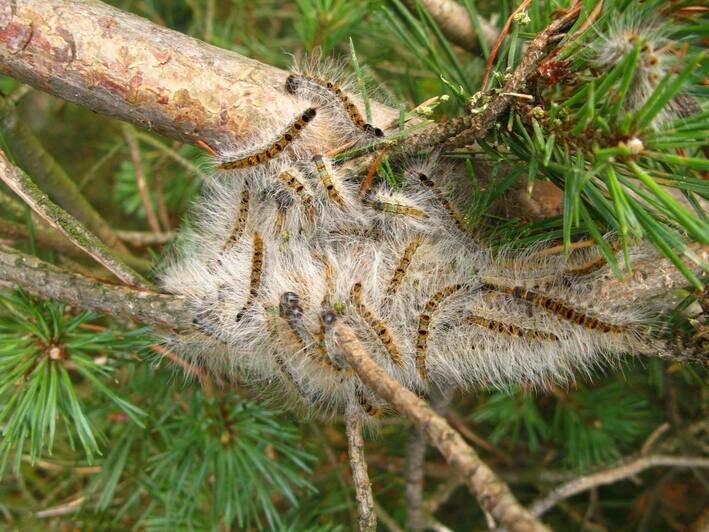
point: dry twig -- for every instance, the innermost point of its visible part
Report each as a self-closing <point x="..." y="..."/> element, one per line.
<point x="464" y="130"/>
<point x="58" y="218"/>
<point x="611" y="475"/>
<point x="50" y="282"/>
<point x="30" y="154"/>
<point x="141" y="182"/>
<point x="360" y="477"/>
<point x="492" y="492"/>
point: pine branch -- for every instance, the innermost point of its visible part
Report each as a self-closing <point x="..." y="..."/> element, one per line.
<point x="56" y="217"/>
<point x="415" y="464"/>
<point x="611" y="475"/>
<point x="46" y="280"/>
<point x="491" y="491"/>
<point x="124" y="66"/>
<point x="456" y="24"/>
<point x="360" y="477"/>
<point x="30" y="155"/>
<point x="466" y="129"/>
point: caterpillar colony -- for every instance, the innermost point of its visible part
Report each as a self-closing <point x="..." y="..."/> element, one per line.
<point x="283" y="247"/>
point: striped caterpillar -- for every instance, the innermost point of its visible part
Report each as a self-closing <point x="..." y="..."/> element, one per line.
<point x="274" y="149"/>
<point x="305" y="84"/>
<point x="397" y="266"/>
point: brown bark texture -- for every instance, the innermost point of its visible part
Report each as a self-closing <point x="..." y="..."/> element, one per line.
<point x="124" y="66"/>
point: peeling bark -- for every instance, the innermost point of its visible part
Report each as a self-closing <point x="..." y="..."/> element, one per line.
<point x="124" y="66"/>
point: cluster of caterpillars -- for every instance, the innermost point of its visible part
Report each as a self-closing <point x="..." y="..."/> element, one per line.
<point x="283" y="247"/>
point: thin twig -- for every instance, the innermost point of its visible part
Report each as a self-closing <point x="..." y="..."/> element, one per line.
<point x="498" y="42"/>
<point x="468" y="434"/>
<point x="30" y="154"/>
<point x="48" y="281"/>
<point x="386" y="519"/>
<point x="464" y="130"/>
<point x="140" y="180"/>
<point x="415" y="463"/>
<point x="145" y="238"/>
<point x="61" y="220"/>
<point x="491" y="491"/>
<point x="63" y="509"/>
<point x="611" y="475"/>
<point x="413" y="474"/>
<point x="360" y="477"/>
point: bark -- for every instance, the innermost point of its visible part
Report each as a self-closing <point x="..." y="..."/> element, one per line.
<point x="62" y="221"/>
<point x="47" y="281"/>
<point x="360" y="477"/>
<point x="491" y="491"/>
<point x="124" y="66"/>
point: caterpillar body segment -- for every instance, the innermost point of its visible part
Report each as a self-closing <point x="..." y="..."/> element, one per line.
<point x="240" y="223"/>
<point x="325" y="175"/>
<point x="424" y="326"/>
<point x="255" y="277"/>
<point x="378" y="327"/>
<point x="274" y="149"/>
<point x="510" y="329"/>
<point x="559" y="308"/>
<point x="331" y="94"/>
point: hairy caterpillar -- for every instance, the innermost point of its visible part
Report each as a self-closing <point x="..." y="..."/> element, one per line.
<point x="274" y="149"/>
<point x="437" y="306"/>
<point x="255" y="277"/>
<point x="241" y="219"/>
<point x="378" y="326"/>
<point x="559" y="308"/>
<point x="510" y="329"/>
<point x="425" y="323"/>
<point x="303" y="84"/>
<point x="402" y="266"/>
<point x="326" y="178"/>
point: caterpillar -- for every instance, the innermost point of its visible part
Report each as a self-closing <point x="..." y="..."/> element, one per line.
<point x="445" y="203"/>
<point x="273" y="150"/>
<point x="255" y="278"/>
<point x="326" y="179"/>
<point x="425" y="323"/>
<point x="290" y="310"/>
<point x="558" y="308"/>
<point x="394" y="208"/>
<point x="510" y="329"/>
<point x="241" y="220"/>
<point x="298" y="83"/>
<point x="378" y="326"/>
<point x="402" y="266"/>
<point x="368" y="407"/>
<point x="298" y="188"/>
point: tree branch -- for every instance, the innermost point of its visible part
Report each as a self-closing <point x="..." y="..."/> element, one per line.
<point x="465" y="129"/>
<point x="609" y="476"/>
<point x="360" y="477"/>
<point x="31" y="156"/>
<point x="492" y="492"/>
<point x="455" y="23"/>
<point x="124" y="66"/>
<point x="416" y="445"/>
<point x="56" y="217"/>
<point x="47" y="281"/>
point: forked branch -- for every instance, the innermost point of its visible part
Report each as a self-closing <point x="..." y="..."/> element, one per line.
<point x="611" y="475"/>
<point x="62" y="221"/>
<point x="492" y="492"/>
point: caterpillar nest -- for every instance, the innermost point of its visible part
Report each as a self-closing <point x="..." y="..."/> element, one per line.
<point x="282" y="247"/>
